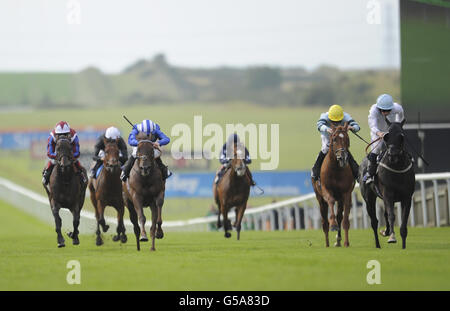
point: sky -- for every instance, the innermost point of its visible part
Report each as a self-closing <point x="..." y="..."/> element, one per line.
<point x="70" y="35"/>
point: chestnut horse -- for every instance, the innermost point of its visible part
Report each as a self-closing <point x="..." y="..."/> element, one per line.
<point x="233" y="191"/>
<point x="336" y="184"/>
<point x="106" y="190"/>
<point x="65" y="190"/>
<point x="145" y="187"/>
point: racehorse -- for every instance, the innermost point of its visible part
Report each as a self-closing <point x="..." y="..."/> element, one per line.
<point x="65" y="190"/>
<point x="106" y="190"/>
<point x="394" y="182"/>
<point x="336" y="184"/>
<point x="233" y="191"/>
<point x="145" y="187"/>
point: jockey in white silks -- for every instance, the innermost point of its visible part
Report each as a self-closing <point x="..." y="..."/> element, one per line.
<point x="385" y="108"/>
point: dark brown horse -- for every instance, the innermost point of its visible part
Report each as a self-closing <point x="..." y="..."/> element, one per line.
<point x="106" y="190"/>
<point x="233" y="191"/>
<point x="336" y="185"/>
<point x="394" y="182"/>
<point x="145" y="187"/>
<point x="65" y="190"/>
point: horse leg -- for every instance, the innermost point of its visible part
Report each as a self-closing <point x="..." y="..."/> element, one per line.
<point x="226" y="221"/>
<point x="101" y="212"/>
<point x="120" y="226"/>
<point x="141" y="217"/>
<point x="239" y="215"/>
<point x="339" y="216"/>
<point x="154" y="211"/>
<point x="371" y="210"/>
<point x="346" y="221"/>
<point x="325" y="223"/>
<point x="58" y="223"/>
<point x="386" y="231"/>
<point x="333" y="223"/>
<point x="134" y="221"/>
<point x="389" y="206"/>
<point x="159" y="205"/>
<point x="76" y="223"/>
<point x="406" y="207"/>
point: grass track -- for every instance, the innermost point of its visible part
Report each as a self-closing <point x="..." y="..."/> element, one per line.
<point x="30" y="260"/>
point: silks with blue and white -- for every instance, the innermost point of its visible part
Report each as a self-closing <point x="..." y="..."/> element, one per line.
<point x="148" y="127"/>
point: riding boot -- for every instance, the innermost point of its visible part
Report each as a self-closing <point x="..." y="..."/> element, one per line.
<point x="82" y="173"/>
<point x="353" y="165"/>
<point x="95" y="168"/>
<point x="46" y="174"/>
<point x="250" y="177"/>
<point x="315" y="172"/>
<point x="222" y="171"/>
<point x="127" y="168"/>
<point x="164" y="170"/>
<point x="368" y="177"/>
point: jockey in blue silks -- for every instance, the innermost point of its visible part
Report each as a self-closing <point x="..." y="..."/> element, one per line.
<point x="158" y="138"/>
<point x="226" y="156"/>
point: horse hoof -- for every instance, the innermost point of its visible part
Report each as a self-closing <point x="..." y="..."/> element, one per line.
<point x="99" y="242"/>
<point x="75" y="241"/>
<point x="384" y="232"/>
<point x="227" y="235"/>
<point x="61" y="245"/>
<point x="337" y="244"/>
<point x="334" y="228"/>
<point x="116" y="238"/>
<point x="392" y="240"/>
<point x="143" y="239"/>
<point x="123" y="238"/>
<point x="105" y="228"/>
<point x="159" y="234"/>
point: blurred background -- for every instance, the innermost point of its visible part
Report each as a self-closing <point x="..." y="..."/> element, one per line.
<point x="262" y="62"/>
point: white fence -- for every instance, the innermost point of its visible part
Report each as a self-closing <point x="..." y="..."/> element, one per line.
<point x="430" y="207"/>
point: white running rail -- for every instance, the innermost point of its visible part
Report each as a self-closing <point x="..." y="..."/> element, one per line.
<point x="430" y="207"/>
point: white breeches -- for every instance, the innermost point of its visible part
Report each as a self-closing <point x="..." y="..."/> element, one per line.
<point x="157" y="153"/>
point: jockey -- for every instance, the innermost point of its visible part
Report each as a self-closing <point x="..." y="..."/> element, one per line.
<point x="385" y="108"/>
<point x="158" y="137"/>
<point x="227" y="154"/>
<point x="62" y="128"/>
<point x="110" y="133"/>
<point x="335" y="116"/>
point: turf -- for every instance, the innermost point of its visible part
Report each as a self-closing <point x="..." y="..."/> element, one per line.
<point x="289" y="260"/>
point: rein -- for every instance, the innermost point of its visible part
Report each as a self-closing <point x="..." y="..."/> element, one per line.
<point x="376" y="140"/>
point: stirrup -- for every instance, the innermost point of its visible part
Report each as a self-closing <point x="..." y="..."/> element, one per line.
<point x="367" y="179"/>
<point x="123" y="177"/>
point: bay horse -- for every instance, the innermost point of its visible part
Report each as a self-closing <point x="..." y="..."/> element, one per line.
<point x="145" y="187"/>
<point x="65" y="190"/>
<point x="336" y="184"/>
<point x="233" y="191"/>
<point x="106" y="190"/>
<point x="394" y="182"/>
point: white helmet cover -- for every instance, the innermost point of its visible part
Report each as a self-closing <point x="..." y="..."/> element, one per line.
<point x="112" y="133"/>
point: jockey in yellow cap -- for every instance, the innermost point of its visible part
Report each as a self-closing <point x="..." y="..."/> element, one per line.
<point x="335" y="116"/>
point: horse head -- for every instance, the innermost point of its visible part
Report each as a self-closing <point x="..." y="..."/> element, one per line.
<point x="111" y="158"/>
<point x="237" y="163"/>
<point x="394" y="140"/>
<point x="339" y="144"/>
<point x="145" y="154"/>
<point x="64" y="155"/>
